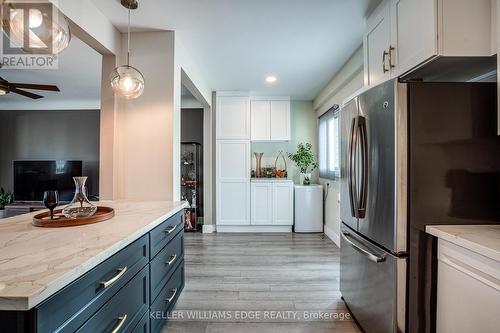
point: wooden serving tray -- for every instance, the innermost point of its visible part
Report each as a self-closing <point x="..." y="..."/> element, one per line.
<point x="43" y="219"/>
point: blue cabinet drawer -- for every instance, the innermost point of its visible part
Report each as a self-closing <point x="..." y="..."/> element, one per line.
<point x="162" y="234"/>
<point x="143" y="325"/>
<point x="67" y="310"/>
<point x="166" y="299"/>
<point x="163" y="265"/>
<point x="124" y="310"/>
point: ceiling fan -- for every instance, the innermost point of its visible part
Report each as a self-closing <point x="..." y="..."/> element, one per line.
<point x="8" y="87"/>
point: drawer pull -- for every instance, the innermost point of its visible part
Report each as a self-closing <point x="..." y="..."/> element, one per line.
<point x="171" y="229"/>
<point x="121" y="321"/>
<point x="172" y="259"/>
<point x="170" y="299"/>
<point x="120" y="271"/>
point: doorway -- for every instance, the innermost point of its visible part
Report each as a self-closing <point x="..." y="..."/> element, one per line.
<point x="192" y="147"/>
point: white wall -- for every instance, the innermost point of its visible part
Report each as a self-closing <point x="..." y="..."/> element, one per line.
<point x="343" y="85"/>
<point x="145" y="125"/>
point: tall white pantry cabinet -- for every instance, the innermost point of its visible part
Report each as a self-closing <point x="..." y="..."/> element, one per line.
<point x="232" y="159"/>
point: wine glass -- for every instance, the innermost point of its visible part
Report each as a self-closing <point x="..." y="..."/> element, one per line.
<point x="51" y="200"/>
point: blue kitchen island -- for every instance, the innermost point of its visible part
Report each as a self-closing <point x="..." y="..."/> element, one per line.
<point x="103" y="277"/>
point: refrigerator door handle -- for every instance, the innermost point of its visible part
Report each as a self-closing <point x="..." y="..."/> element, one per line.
<point x="352" y="161"/>
<point x="361" y="209"/>
<point x="372" y="257"/>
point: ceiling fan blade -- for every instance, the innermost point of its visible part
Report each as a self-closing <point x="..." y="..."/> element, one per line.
<point x="35" y="86"/>
<point x="25" y="93"/>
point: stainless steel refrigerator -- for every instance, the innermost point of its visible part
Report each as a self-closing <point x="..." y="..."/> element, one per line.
<point x="412" y="154"/>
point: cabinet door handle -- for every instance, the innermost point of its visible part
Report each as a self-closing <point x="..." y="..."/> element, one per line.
<point x="391" y="49"/>
<point x="171" y="229"/>
<point x="384" y="56"/>
<point x="121" y="320"/>
<point x="172" y="259"/>
<point x="119" y="273"/>
<point x="171" y="298"/>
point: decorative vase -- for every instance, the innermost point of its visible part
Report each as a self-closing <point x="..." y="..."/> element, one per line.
<point x="280" y="173"/>
<point x="305" y="178"/>
<point x="258" y="166"/>
<point x="80" y="206"/>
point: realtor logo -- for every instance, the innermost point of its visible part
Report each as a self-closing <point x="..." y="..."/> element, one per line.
<point x="27" y="35"/>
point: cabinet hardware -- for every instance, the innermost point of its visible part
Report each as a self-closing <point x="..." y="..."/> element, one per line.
<point x="171" y="229"/>
<point x="390" y="57"/>
<point x="384" y="56"/>
<point x="121" y="321"/>
<point x="172" y="259"/>
<point x="120" y="271"/>
<point x="171" y="298"/>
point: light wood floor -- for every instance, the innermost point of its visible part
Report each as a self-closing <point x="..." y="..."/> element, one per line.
<point x="261" y="272"/>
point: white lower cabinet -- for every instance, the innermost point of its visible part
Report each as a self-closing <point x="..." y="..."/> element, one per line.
<point x="262" y="203"/>
<point x="272" y="203"/>
<point x="468" y="291"/>
<point x="233" y="203"/>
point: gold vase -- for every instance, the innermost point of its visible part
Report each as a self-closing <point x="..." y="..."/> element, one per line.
<point x="258" y="166"/>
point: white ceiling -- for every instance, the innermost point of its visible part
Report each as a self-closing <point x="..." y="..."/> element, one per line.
<point x="237" y="43"/>
<point x="78" y="77"/>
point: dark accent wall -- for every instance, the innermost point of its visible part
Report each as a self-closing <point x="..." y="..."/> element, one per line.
<point x="192" y="125"/>
<point x="50" y="135"/>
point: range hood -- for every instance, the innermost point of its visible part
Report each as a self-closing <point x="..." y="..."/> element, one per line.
<point x="454" y="69"/>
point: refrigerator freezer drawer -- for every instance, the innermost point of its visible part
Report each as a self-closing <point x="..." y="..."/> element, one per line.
<point x="373" y="284"/>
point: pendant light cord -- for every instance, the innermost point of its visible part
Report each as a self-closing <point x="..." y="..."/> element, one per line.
<point x="128" y="38"/>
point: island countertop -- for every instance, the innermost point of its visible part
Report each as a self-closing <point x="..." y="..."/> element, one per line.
<point x="35" y="262"/>
<point x="482" y="239"/>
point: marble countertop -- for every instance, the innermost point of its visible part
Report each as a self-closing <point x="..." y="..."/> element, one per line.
<point x="35" y="263"/>
<point x="482" y="239"/>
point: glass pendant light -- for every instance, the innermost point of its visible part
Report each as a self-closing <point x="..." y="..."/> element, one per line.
<point x="53" y="30"/>
<point x="127" y="81"/>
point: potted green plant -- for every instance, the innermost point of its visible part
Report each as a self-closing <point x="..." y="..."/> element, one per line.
<point x="305" y="161"/>
<point x="5" y="199"/>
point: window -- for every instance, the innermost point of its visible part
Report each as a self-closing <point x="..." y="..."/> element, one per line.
<point x="329" y="144"/>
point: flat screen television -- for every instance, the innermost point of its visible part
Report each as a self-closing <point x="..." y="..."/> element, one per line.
<point x="32" y="178"/>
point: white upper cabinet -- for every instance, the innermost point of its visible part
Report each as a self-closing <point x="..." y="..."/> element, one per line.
<point x="400" y="35"/>
<point x="261" y="120"/>
<point x="413" y="34"/>
<point x="376" y="40"/>
<point x="270" y="120"/>
<point x="280" y="120"/>
<point x="233" y="118"/>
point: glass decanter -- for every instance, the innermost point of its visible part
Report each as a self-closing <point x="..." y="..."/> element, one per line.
<point x="80" y="206"/>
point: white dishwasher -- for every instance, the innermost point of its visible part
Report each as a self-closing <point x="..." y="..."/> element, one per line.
<point x="308" y="208"/>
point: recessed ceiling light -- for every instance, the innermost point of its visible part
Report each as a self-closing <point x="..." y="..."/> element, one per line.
<point x="271" y="79"/>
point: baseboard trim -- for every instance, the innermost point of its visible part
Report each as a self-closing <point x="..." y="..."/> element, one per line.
<point x="254" y="228"/>
<point x="208" y="228"/>
<point x="332" y="235"/>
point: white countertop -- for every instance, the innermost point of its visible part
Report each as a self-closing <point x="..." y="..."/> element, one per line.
<point x="35" y="263"/>
<point x="482" y="239"/>
<point x="270" y="180"/>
